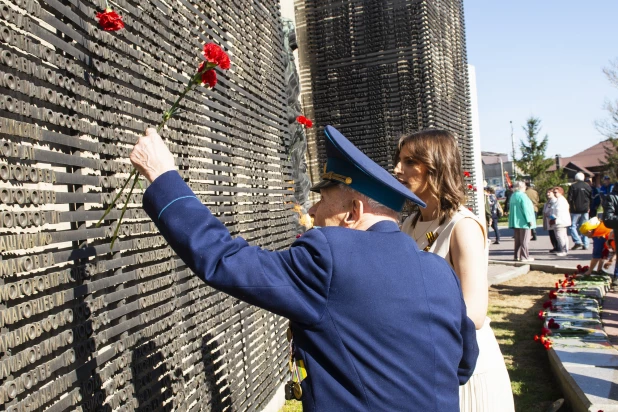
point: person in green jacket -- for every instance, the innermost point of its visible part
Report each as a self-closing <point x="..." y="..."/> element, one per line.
<point x="522" y="220"/>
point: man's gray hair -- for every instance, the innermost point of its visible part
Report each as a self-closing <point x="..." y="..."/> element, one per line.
<point x="579" y="176"/>
<point x="375" y="206"/>
<point x="520" y="186"/>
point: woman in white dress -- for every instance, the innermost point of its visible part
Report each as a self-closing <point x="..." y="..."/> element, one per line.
<point x="429" y="164"/>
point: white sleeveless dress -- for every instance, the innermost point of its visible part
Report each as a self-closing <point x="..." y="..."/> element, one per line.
<point x="489" y="388"/>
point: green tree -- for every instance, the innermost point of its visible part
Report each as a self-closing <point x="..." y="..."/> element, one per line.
<point x="533" y="162"/>
<point x="609" y="127"/>
<point x="548" y="180"/>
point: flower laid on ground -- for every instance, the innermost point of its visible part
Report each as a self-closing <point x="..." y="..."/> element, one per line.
<point x="545" y="341"/>
<point x="470" y="186"/>
<point x="552" y="324"/>
<point x="206" y="75"/>
<point x="304" y="121"/>
<point x="582" y="269"/>
<point x="466" y="173"/>
<point x="109" y="20"/>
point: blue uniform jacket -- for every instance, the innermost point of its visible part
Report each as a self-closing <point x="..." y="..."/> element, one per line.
<point x="379" y="325"/>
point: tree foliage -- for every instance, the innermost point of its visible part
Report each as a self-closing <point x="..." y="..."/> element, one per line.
<point x="533" y="162"/>
<point x="609" y="126"/>
<point x="549" y="180"/>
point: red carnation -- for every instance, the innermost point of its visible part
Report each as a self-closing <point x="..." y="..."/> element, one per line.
<point x="552" y="294"/>
<point x="215" y="54"/>
<point x="309" y="123"/>
<point x="301" y="119"/>
<point x="547" y="304"/>
<point x="209" y="77"/>
<point x="541" y="314"/>
<point x="545" y="331"/>
<point x="552" y="324"/>
<point x="109" y="20"/>
<point x="470" y="186"/>
<point x="536" y="338"/>
<point x="466" y="173"/>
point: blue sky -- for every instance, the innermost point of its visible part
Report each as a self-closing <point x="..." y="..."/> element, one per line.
<point x="542" y="58"/>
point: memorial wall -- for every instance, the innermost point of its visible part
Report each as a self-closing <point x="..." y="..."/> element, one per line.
<point x="88" y="327"/>
<point x="377" y="69"/>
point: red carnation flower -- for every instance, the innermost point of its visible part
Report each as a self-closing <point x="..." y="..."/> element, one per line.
<point x="209" y="77"/>
<point x="301" y="119"/>
<point x="215" y="54"/>
<point x="536" y="338"/>
<point x="109" y="20"/>
<point x="541" y="314"/>
<point x="545" y="331"/>
<point x="298" y="236"/>
<point x="470" y="186"/>
<point x="552" y="294"/>
<point x="466" y="173"/>
<point x="309" y="123"/>
<point x="547" y="304"/>
<point x="552" y="324"/>
<point x="547" y="345"/>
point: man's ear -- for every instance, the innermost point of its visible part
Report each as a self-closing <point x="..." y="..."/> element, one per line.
<point x="354" y="214"/>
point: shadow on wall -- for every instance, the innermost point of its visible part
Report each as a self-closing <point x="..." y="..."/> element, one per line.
<point x="161" y="384"/>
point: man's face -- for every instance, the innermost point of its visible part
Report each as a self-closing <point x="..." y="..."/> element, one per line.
<point x="606" y="183"/>
<point x="332" y="208"/>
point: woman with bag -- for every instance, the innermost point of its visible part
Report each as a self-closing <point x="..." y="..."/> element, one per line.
<point x="551" y="199"/>
<point x="560" y="221"/>
<point x="429" y="164"/>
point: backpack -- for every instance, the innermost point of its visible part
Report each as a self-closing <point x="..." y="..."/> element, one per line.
<point x="500" y="210"/>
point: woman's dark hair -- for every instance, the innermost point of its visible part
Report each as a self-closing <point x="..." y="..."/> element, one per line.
<point x="437" y="150"/>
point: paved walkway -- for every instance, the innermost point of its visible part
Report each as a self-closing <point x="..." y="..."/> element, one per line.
<point x="539" y="250"/>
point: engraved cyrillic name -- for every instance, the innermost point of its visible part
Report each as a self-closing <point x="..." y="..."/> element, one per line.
<point x="31" y="308"/>
<point x="24" y="241"/>
<point x="27" y="287"/>
<point x="33" y="330"/>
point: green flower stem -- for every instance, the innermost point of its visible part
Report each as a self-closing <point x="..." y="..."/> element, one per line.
<point x="124" y="209"/>
<point x="111" y="206"/>
<point x="193" y="81"/>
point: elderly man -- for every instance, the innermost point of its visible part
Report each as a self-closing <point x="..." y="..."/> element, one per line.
<point x="378" y="324"/>
<point x="580" y="199"/>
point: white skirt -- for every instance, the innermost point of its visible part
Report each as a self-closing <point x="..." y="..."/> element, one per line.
<point x="489" y="388"/>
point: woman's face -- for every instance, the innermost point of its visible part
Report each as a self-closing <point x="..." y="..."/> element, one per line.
<point x="410" y="173"/>
<point x="550" y="194"/>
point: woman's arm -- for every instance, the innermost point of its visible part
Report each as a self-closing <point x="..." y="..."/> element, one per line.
<point x="470" y="264"/>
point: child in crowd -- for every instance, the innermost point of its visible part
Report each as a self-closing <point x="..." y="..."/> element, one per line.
<point x="596" y="230"/>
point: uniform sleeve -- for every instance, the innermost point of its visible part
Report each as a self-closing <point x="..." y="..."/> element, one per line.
<point x="292" y="283"/>
<point x="470" y="347"/>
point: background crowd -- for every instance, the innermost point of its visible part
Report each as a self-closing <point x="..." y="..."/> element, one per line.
<point x="585" y="213"/>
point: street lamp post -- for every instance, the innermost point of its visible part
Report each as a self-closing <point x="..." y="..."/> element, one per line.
<point x="513" y="145"/>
